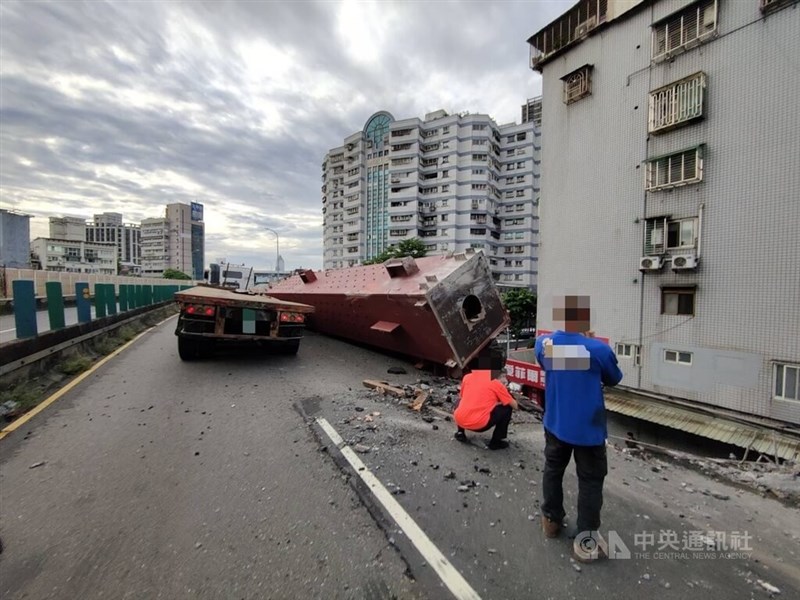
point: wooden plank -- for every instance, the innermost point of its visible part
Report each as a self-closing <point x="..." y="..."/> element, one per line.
<point x="384" y="388"/>
<point x="422" y="396"/>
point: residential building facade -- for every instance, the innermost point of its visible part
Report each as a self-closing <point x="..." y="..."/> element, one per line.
<point x="670" y="193"/>
<point x="175" y="241"/>
<point x="15" y="239"/>
<point x="108" y="227"/>
<point x="68" y="228"/>
<point x="75" y="256"/>
<point x="453" y="181"/>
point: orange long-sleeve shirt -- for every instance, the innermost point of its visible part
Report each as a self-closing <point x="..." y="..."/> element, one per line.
<point x="479" y="395"/>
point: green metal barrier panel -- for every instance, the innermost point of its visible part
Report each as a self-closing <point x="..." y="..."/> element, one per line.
<point x="99" y="301"/>
<point x="83" y="302"/>
<point x="111" y="299"/>
<point x="55" y="304"/>
<point x="24" y="308"/>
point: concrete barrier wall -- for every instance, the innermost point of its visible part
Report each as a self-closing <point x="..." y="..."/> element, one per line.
<point x="68" y="281"/>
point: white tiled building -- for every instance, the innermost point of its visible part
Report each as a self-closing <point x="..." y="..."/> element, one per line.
<point x="75" y="256"/>
<point x="670" y="192"/>
<point x="454" y="181"/>
<point x="108" y="227"/>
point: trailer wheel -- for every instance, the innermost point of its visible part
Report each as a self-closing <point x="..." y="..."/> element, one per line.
<point x="187" y="349"/>
<point x="290" y="348"/>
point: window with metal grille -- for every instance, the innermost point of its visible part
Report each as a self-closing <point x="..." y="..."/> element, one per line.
<point x="671" y="170"/>
<point x="577" y="84"/>
<point x="787" y="381"/>
<point x="684" y="29"/>
<point x="677" y="103"/>
<point x="661" y="234"/>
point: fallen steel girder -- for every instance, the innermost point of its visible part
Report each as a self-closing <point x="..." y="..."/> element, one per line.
<point x="442" y="309"/>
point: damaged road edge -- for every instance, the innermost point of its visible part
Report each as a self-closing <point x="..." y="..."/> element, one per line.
<point x="390" y="516"/>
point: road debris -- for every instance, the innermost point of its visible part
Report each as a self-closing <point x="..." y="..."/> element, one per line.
<point x="384" y="388"/>
<point x="768" y="587"/>
<point x="37" y="464"/>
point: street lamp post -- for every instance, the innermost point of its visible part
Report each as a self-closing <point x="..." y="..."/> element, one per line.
<point x="277" y="250"/>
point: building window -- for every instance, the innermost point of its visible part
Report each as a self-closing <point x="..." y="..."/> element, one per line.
<point x="787" y="381"/>
<point x="677" y="300"/>
<point x="680" y="233"/>
<point x="677" y="357"/>
<point x="577" y="84"/>
<point x="627" y="350"/>
<point x="679" y="102"/>
<point x="672" y="170"/>
<point x="684" y="29"/>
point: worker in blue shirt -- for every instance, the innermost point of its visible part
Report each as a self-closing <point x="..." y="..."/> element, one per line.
<point x="576" y="366"/>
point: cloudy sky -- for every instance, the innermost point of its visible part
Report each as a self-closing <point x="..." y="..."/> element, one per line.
<point x="127" y="106"/>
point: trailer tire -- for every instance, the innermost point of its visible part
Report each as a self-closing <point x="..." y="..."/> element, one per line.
<point x="290" y="348"/>
<point x="187" y="349"/>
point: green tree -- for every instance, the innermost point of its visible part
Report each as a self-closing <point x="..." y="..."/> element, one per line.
<point x="521" y="306"/>
<point x="413" y="247"/>
<point x="175" y="274"/>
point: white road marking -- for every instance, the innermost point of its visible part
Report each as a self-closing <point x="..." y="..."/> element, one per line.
<point x="454" y="581"/>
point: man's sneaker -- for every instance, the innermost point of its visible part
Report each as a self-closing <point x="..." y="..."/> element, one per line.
<point x="550" y="528"/>
<point x="497" y="445"/>
<point x="460" y="436"/>
<point x="589" y="548"/>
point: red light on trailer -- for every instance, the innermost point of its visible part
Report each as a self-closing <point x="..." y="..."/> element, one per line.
<point x="299" y="318"/>
<point x="284" y="317"/>
<point x="209" y="311"/>
<point x="190" y="309"/>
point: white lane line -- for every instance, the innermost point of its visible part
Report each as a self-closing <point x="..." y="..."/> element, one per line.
<point x="454" y="581"/>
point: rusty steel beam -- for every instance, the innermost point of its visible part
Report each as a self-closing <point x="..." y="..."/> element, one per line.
<point x="443" y="309"/>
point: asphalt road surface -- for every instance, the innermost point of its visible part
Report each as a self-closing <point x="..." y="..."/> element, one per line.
<point x="164" y="479"/>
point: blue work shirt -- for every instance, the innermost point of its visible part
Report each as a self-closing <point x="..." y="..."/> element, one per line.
<point x="574" y="408"/>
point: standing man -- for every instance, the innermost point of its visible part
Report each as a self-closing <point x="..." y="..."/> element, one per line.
<point x="576" y="365"/>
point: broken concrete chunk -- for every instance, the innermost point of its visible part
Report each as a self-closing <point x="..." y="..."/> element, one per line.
<point x="361" y="448"/>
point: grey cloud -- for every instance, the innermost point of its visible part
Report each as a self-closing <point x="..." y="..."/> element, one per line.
<point x="129" y="47"/>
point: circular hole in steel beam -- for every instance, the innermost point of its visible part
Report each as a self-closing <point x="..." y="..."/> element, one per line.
<point x="472" y="308"/>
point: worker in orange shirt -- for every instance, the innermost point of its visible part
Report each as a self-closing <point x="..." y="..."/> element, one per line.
<point x="484" y="402"/>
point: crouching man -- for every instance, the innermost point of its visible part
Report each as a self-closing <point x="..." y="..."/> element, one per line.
<point x="484" y="401"/>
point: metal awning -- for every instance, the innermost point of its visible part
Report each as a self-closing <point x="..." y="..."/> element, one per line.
<point x="783" y="444"/>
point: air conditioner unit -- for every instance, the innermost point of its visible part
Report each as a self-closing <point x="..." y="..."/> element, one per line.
<point x="681" y="262"/>
<point x="585" y="27"/>
<point x="650" y="263"/>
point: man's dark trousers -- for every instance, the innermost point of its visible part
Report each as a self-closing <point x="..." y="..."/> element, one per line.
<point x="499" y="418"/>
<point x="591" y="465"/>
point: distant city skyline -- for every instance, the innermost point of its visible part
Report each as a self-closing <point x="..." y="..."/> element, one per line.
<point x="127" y="107"/>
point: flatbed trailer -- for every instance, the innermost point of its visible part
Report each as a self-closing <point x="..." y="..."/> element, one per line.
<point x="211" y="316"/>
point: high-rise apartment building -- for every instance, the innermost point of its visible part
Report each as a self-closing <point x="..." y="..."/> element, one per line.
<point x="68" y="228"/>
<point x="176" y="241"/>
<point x="155" y="246"/>
<point x="454" y="181"/>
<point x="532" y="111"/>
<point x="108" y="227"/>
<point x="15" y="238"/>
<point x="670" y="194"/>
